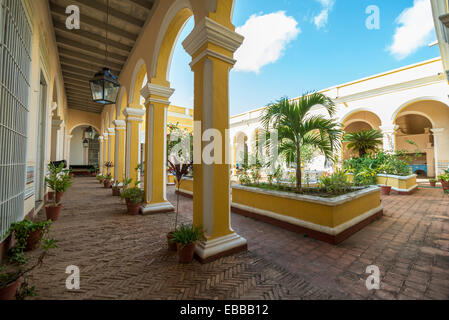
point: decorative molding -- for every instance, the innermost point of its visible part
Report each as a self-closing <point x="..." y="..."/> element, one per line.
<point x="213" y="54"/>
<point x="119" y="124"/>
<point x="135" y="114"/>
<point x="156" y="90"/>
<point x="209" y="31"/>
<point x="437" y="131"/>
<point x="157" y="208"/>
<point x="210" y="248"/>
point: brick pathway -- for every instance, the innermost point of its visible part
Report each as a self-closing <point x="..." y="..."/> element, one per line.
<point x="125" y="257"/>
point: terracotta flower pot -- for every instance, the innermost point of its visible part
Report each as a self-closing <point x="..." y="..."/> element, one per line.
<point x="116" y="192"/>
<point x="172" y="246"/>
<point x="53" y="213"/>
<point x="50" y="195"/>
<point x="59" y="196"/>
<point x="101" y="181"/>
<point x="185" y="253"/>
<point x="107" y="184"/>
<point x="445" y="185"/>
<point x="433" y="183"/>
<point x="386" y="190"/>
<point x="133" y="208"/>
<point x="9" y="292"/>
<point x="33" y="239"/>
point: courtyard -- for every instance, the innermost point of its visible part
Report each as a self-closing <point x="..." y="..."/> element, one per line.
<point x="126" y="257"/>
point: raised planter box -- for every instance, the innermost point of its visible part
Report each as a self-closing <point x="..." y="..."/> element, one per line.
<point x="328" y="219"/>
<point x="399" y="184"/>
<point x="186" y="187"/>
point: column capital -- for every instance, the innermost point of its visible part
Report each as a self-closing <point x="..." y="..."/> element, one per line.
<point x="57" y="123"/>
<point x="101" y="138"/>
<point x="154" y="93"/>
<point x="119" y="124"/>
<point x="437" y="131"/>
<point x="133" y="114"/>
<point x="208" y="31"/>
<point x="105" y="136"/>
<point x="69" y="136"/>
<point x="111" y="131"/>
<point x="389" y="128"/>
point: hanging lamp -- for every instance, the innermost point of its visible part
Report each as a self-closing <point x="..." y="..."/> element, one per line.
<point x="105" y="86"/>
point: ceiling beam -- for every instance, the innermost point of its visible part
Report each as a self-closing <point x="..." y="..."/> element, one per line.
<point x="144" y="4"/>
<point x="64" y="42"/>
<point x="93" y="37"/>
<point x="113" y="12"/>
<point x="87" y="58"/>
<point x="85" y="66"/>
<point x="86" y="20"/>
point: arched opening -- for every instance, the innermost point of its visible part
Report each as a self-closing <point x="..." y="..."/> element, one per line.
<point x="84" y="147"/>
<point x="356" y="122"/>
<point x="422" y="130"/>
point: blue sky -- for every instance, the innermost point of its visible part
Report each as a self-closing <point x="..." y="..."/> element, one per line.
<point x="291" y="47"/>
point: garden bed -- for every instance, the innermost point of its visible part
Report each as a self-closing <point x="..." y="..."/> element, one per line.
<point x="402" y="185"/>
<point x="328" y="219"/>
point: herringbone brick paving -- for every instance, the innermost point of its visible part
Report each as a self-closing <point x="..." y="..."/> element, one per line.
<point x="125" y="257"/>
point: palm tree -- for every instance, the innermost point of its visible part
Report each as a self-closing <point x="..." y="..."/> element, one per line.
<point x="297" y="128"/>
<point x="363" y="141"/>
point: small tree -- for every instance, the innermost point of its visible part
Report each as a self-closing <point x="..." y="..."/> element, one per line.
<point x="297" y="127"/>
<point x="179" y="170"/>
<point x="364" y="141"/>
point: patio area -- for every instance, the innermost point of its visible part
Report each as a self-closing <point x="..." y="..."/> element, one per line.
<point x="125" y="257"/>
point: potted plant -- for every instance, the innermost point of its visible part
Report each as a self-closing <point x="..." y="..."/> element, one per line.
<point x="108" y="176"/>
<point x="134" y="198"/>
<point x="116" y="189"/>
<point x="27" y="235"/>
<point x="185" y="238"/>
<point x="59" y="182"/>
<point x="100" y="178"/>
<point x="179" y="171"/>
<point x="13" y="275"/>
<point x="433" y="182"/>
<point x="444" y="179"/>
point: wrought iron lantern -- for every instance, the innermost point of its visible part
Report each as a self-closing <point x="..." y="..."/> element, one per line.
<point x="104" y="86"/>
<point x="90" y="133"/>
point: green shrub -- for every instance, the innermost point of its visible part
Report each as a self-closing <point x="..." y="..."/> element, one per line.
<point x="134" y="195"/>
<point x="336" y="184"/>
<point x="187" y="234"/>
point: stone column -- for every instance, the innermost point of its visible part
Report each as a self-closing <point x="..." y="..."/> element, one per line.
<point x="69" y="139"/>
<point x="211" y="46"/>
<point x="119" y="160"/>
<point x="101" y="160"/>
<point x="389" y="140"/>
<point x="133" y="119"/>
<point x="55" y="131"/>
<point x="156" y="103"/>
<point x="111" y="143"/>
<point x="436" y="133"/>
<point x="105" y="152"/>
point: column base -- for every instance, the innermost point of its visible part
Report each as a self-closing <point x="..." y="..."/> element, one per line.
<point x="208" y="251"/>
<point x="152" y="208"/>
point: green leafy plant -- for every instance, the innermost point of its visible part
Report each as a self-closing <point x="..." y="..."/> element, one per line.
<point x="22" y="231"/>
<point x="363" y="141"/>
<point x="337" y="183"/>
<point x="443" y="177"/>
<point x="187" y="234"/>
<point x="298" y="127"/>
<point x="134" y="195"/>
<point x="17" y="265"/>
<point x="58" y="179"/>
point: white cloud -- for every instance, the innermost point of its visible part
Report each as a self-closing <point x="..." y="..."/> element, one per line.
<point x="416" y="29"/>
<point x="321" y="19"/>
<point x="266" y="37"/>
